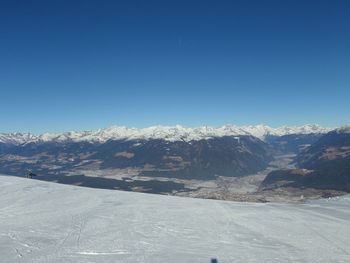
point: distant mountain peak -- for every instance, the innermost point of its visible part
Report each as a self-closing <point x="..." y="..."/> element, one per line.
<point x="169" y="133"/>
<point x="343" y="129"/>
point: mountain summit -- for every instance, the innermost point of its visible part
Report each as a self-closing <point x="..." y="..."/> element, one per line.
<point x="168" y="133"/>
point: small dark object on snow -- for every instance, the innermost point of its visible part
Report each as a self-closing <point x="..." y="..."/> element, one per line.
<point x="30" y="175"/>
<point x="214" y="260"/>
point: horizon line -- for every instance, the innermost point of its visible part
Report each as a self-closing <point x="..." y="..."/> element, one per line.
<point x="173" y="126"/>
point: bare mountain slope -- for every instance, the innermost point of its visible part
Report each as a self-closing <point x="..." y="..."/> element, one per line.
<point x="323" y="165"/>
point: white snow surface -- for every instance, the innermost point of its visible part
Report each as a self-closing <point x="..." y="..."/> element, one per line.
<point x="343" y="129"/>
<point x="169" y="133"/>
<point x="48" y="222"/>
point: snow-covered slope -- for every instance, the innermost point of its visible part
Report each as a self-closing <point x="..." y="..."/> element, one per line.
<point x="343" y="129"/>
<point x="17" y="138"/>
<point x="169" y="133"/>
<point x="47" y="222"/>
<point x="261" y="131"/>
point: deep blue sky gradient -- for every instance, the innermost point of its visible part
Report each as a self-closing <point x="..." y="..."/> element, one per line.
<point x="77" y="65"/>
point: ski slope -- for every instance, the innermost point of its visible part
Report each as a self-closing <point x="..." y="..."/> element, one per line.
<point x="48" y="222"/>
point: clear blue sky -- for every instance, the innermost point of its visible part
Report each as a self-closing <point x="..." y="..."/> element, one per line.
<point x="77" y="65"/>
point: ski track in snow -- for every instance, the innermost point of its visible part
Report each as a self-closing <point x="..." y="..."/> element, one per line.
<point x="48" y="222"/>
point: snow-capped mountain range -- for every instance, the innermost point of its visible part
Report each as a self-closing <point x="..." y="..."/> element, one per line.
<point x="168" y="133"/>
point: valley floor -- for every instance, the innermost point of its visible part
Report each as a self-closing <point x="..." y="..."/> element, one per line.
<point x="47" y="222"/>
<point x="245" y="188"/>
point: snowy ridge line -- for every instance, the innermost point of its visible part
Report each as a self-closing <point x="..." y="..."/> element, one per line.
<point x="343" y="129"/>
<point x="168" y="133"/>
